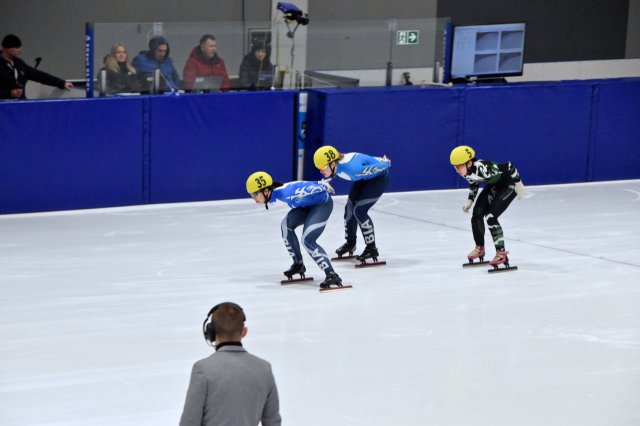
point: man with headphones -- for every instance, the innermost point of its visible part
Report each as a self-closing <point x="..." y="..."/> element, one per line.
<point x="230" y="387"/>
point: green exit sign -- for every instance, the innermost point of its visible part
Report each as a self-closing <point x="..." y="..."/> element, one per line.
<point x="407" y="37"/>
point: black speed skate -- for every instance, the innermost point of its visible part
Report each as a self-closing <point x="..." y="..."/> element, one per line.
<point x="370" y="252"/>
<point x="348" y="247"/>
<point x="296" y="268"/>
<point x="333" y="282"/>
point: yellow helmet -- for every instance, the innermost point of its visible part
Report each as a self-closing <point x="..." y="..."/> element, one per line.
<point x="258" y="181"/>
<point x="461" y="154"/>
<point x="325" y="155"/>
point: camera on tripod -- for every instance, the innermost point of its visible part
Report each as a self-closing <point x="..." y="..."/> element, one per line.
<point x="293" y="13"/>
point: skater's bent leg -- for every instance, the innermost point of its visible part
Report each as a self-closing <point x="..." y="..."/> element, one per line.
<point x="370" y="194"/>
<point x="496" y="231"/>
<point x="477" y="227"/>
<point x="350" y="223"/>
<point x="501" y="201"/>
<point x="291" y="221"/>
<point x="477" y="217"/>
<point x="313" y="227"/>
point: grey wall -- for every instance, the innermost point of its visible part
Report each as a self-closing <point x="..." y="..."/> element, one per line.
<point x="350" y="10"/>
<point x="566" y="30"/>
<point x="357" y="34"/>
<point x="633" y="30"/>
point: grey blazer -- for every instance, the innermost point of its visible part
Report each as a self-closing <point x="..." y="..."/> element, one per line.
<point x="231" y="387"/>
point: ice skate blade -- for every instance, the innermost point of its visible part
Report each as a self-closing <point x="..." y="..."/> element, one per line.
<point x="497" y="269"/>
<point x="330" y="289"/>
<point x="296" y="280"/>
<point x="470" y="263"/>
<point x="333" y="259"/>
<point x="365" y="264"/>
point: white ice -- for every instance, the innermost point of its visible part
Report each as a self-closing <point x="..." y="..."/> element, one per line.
<point x="101" y="313"/>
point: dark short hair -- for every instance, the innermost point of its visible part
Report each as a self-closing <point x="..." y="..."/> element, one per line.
<point x="229" y="321"/>
<point x="207" y="37"/>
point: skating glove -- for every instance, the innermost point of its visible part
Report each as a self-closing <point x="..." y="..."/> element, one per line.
<point x="519" y="189"/>
<point x="467" y="206"/>
<point x="325" y="182"/>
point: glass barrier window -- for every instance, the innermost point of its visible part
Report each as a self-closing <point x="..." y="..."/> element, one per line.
<point x="205" y="57"/>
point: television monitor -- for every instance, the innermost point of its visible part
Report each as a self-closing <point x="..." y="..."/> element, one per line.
<point x="487" y="51"/>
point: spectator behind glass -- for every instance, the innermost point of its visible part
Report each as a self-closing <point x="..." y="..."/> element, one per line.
<point x="14" y="72"/>
<point x="205" y="62"/>
<point x="232" y="386"/>
<point x="157" y="57"/>
<point x="121" y="75"/>
<point x="254" y="65"/>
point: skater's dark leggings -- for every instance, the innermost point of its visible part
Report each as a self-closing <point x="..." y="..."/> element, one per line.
<point x="314" y="219"/>
<point x="363" y="195"/>
<point x="491" y="203"/>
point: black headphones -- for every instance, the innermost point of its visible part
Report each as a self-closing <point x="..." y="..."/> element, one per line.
<point x="209" y="328"/>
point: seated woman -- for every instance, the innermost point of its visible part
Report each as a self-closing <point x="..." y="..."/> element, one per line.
<point x="121" y="75"/>
<point x="256" y="70"/>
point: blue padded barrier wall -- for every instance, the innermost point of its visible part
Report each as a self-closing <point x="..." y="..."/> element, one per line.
<point x="617" y="131"/>
<point x="559" y="132"/>
<point x="543" y="129"/>
<point x="88" y="153"/>
<point x="203" y="147"/>
<point x="71" y="154"/>
<point x="412" y="126"/>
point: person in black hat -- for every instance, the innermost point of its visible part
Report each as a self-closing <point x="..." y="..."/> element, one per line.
<point x="14" y="72"/>
<point x="256" y="70"/>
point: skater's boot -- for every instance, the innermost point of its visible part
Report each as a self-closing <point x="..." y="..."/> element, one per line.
<point x="476" y="253"/>
<point x="500" y="258"/>
<point x="332" y="280"/>
<point x="370" y="252"/>
<point x="348" y="247"/>
<point x="296" y="268"/>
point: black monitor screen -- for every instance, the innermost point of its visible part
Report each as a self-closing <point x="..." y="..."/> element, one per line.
<point x="487" y="50"/>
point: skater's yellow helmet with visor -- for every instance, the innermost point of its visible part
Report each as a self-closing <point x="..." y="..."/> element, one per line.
<point x="257" y="182"/>
<point x="461" y="154"/>
<point x="324" y="156"/>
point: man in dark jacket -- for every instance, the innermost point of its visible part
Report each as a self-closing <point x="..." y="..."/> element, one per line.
<point x="205" y="62"/>
<point x="14" y="72"/>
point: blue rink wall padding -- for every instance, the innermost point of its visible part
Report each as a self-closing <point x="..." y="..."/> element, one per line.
<point x="542" y="129"/>
<point x="557" y="132"/>
<point x="616" y="142"/>
<point x="203" y="147"/>
<point x="412" y="126"/>
<point x="88" y="153"/>
<point x="71" y="154"/>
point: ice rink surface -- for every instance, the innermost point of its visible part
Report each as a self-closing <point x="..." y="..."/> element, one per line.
<point x="101" y="313"/>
